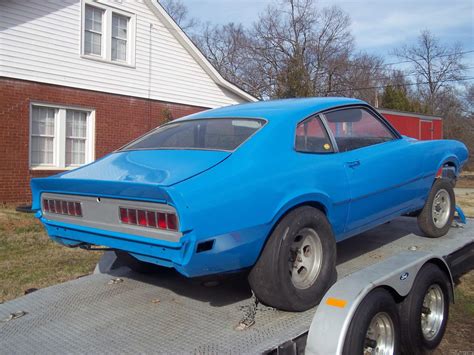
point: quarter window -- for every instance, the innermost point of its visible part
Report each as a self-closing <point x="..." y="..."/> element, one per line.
<point x="355" y="128"/>
<point x="61" y="137"/>
<point x="311" y="137"/>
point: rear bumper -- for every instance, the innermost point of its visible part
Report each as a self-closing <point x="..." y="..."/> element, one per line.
<point x="230" y="251"/>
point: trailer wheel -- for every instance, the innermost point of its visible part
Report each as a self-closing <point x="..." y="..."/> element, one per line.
<point x="134" y="264"/>
<point x="437" y="215"/>
<point x="298" y="263"/>
<point x="375" y="327"/>
<point x="424" y="312"/>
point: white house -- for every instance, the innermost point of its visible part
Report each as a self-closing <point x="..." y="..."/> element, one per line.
<point x="79" y="78"/>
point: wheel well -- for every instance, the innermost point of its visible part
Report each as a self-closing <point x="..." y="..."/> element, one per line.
<point x="443" y="267"/>
<point x="314" y="204"/>
<point x="448" y="171"/>
<point x="435" y="261"/>
<point x="450" y="163"/>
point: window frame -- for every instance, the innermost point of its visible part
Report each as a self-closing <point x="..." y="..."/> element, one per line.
<point x="334" y="148"/>
<point x="106" y="44"/>
<point x="59" y="142"/>
<point x="377" y="116"/>
<point x="332" y="138"/>
<point x="95" y="32"/>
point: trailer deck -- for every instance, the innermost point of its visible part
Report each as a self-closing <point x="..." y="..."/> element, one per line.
<point x="124" y="312"/>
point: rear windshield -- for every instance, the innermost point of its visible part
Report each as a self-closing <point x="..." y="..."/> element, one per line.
<point x="214" y="134"/>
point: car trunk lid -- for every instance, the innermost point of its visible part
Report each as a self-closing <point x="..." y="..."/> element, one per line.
<point x="139" y="174"/>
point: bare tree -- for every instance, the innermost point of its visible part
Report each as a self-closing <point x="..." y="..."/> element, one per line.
<point x="179" y="13"/>
<point x="294" y="49"/>
<point x="228" y="48"/>
<point x="469" y="101"/>
<point x="434" y="65"/>
<point x="297" y="45"/>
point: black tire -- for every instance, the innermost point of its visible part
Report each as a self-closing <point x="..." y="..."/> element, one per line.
<point x="413" y="339"/>
<point x="270" y="278"/>
<point x="380" y="303"/>
<point x="134" y="264"/>
<point x="425" y="218"/>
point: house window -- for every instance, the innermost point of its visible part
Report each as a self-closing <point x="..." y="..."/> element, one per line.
<point x="42" y="135"/>
<point x="93" y="31"/>
<point x="119" y="37"/>
<point x="61" y="137"/>
<point x="108" y="33"/>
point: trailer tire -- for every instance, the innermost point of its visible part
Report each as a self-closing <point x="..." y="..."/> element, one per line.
<point x="437" y="215"/>
<point x="134" y="264"/>
<point x="430" y="293"/>
<point x="298" y="263"/>
<point x="375" y="317"/>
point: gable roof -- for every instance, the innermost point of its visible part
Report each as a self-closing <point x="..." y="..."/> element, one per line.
<point x="197" y="55"/>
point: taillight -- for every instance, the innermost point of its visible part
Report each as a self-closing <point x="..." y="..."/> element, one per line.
<point x="151" y="219"/>
<point x="68" y="208"/>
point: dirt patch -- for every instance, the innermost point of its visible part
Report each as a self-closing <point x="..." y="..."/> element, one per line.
<point x="465" y="199"/>
<point x="466" y="180"/>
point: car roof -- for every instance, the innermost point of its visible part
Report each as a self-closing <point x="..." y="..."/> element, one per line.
<point x="277" y="109"/>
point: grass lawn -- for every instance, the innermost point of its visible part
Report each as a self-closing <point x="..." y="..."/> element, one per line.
<point x="28" y="259"/>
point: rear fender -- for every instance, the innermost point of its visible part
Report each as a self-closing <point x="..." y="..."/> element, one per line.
<point x="318" y="199"/>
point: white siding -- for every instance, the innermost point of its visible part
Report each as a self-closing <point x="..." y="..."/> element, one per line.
<point x="40" y="41"/>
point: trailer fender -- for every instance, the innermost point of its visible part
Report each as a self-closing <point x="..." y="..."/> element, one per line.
<point x="334" y="314"/>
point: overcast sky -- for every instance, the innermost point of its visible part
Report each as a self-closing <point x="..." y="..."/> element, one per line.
<point x="377" y="25"/>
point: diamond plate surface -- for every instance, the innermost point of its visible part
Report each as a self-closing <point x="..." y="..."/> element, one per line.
<point x="167" y="313"/>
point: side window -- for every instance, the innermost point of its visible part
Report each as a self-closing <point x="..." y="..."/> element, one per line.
<point x="356" y="128"/>
<point x="311" y="137"/>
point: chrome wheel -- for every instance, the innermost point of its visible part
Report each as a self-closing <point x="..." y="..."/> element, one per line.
<point x="380" y="337"/>
<point x="432" y="312"/>
<point x="306" y="256"/>
<point x="441" y="208"/>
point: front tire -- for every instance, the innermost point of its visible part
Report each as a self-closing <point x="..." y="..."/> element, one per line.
<point x="375" y="327"/>
<point x="437" y="215"/>
<point x="424" y="312"/>
<point x="298" y="263"/>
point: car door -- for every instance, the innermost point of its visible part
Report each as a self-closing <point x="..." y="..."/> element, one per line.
<point x="321" y="170"/>
<point x="382" y="172"/>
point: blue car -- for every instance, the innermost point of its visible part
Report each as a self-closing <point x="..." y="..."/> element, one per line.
<point x="267" y="187"/>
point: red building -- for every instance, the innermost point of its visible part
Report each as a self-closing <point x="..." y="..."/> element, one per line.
<point x="414" y="125"/>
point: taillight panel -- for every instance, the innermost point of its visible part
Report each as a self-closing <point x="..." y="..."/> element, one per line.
<point x="153" y="220"/>
<point x="148" y="218"/>
<point x="62" y="207"/>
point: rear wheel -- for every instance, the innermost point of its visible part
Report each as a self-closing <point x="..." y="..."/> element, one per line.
<point x="437" y="215"/>
<point x="297" y="265"/>
<point x="424" y="312"/>
<point x="375" y="327"/>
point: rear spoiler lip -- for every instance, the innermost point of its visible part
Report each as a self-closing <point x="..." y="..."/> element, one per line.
<point x="129" y="190"/>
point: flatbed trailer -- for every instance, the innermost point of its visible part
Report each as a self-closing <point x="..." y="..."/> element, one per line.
<point x="118" y="311"/>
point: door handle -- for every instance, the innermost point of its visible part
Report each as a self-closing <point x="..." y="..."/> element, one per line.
<point x="353" y="164"/>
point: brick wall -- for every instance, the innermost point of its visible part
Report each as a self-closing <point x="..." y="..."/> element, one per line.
<point x="119" y="119"/>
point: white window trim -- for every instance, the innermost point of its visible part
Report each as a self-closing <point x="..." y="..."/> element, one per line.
<point x="107" y="34"/>
<point x="59" y="153"/>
